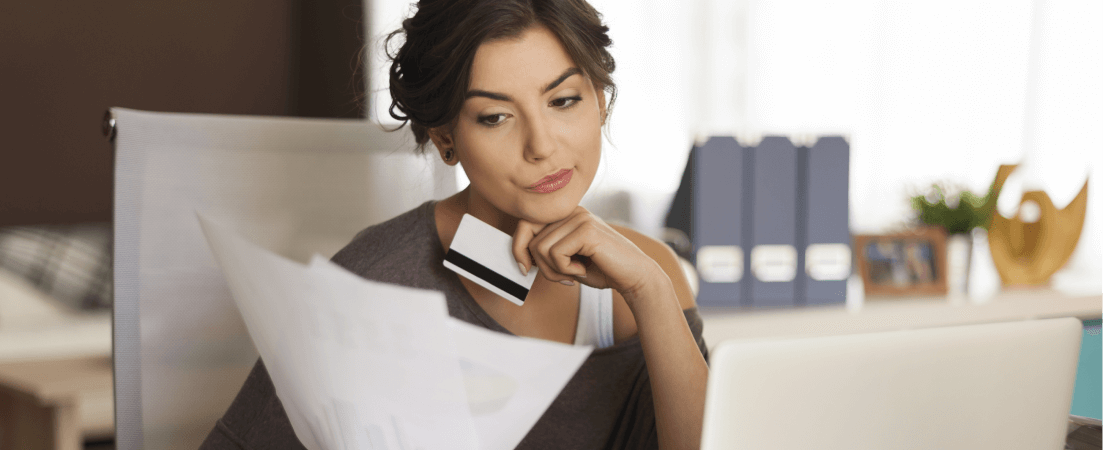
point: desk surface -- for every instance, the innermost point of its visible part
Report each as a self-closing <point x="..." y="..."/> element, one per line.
<point x="83" y="383"/>
<point x="81" y="336"/>
<point x="889" y="314"/>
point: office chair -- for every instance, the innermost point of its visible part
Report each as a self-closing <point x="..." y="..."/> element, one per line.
<point x="296" y="186"/>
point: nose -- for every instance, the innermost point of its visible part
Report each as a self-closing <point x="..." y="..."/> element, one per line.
<point x="539" y="142"/>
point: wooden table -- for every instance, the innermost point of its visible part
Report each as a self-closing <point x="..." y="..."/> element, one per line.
<point x="56" y="404"/>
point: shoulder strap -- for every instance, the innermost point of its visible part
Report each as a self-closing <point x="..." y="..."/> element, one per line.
<point x="605" y="313"/>
<point x="595" y="317"/>
<point x="586" y="331"/>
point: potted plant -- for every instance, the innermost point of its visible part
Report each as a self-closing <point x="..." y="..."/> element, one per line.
<point x="958" y="211"/>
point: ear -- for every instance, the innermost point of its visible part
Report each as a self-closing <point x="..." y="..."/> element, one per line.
<point x="442" y="140"/>
<point x="599" y="89"/>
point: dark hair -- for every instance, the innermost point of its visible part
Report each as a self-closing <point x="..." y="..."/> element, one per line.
<point x="430" y="72"/>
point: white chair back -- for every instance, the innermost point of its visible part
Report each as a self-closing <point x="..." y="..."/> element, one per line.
<point x="297" y="186"/>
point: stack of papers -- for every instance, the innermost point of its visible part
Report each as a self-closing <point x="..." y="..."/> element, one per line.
<point x="365" y="365"/>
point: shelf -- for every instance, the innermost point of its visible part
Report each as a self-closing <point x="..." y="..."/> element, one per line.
<point x="889" y="314"/>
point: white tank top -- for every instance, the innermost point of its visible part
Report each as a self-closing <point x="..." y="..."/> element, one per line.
<point x="595" y="317"/>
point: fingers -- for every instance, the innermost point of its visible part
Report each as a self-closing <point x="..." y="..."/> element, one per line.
<point x="563" y="256"/>
<point x="557" y="252"/>
<point x="524" y="234"/>
<point x="550" y="273"/>
<point x="555" y="248"/>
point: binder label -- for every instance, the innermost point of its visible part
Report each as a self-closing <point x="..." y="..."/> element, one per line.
<point x="774" y="263"/>
<point x="720" y="263"/>
<point x="827" y="261"/>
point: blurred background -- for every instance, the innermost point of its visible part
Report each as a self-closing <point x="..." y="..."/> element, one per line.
<point x="926" y="92"/>
<point x="935" y="92"/>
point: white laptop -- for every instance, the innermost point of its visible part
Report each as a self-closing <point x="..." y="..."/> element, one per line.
<point x="1000" y="386"/>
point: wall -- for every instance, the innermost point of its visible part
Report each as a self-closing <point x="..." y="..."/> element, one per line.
<point x="65" y="63"/>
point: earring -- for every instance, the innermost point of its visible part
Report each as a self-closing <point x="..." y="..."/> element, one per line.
<point x="448" y="155"/>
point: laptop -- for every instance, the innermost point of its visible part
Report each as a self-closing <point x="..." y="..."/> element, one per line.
<point x="1000" y="386"/>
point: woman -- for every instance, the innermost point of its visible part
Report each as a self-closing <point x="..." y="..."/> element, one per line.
<point x="515" y="91"/>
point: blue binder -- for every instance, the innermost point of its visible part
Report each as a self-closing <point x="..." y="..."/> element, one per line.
<point x="824" y="226"/>
<point x="680" y="215"/>
<point x="717" y="221"/>
<point x="773" y="251"/>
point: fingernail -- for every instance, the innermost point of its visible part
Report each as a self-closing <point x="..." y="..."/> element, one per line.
<point x="581" y="276"/>
<point x="567" y="282"/>
<point x="522" y="267"/>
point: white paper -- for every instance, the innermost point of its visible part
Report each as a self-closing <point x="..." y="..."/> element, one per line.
<point x="365" y="365"/>
<point x="511" y="380"/>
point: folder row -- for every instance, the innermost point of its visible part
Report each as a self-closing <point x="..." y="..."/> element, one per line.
<point x="769" y="224"/>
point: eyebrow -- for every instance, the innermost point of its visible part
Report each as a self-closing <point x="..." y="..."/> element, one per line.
<point x="505" y="98"/>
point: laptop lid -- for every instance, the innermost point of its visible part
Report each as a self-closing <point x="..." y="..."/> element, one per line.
<point x="992" y="386"/>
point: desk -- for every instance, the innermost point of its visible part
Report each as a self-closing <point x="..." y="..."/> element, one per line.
<point x="56" y="404"/>
<point x="886" y="314"/>
<point x="873" y="315"/>
<point x="56" y="385"/>
<point x="67" y="397"/>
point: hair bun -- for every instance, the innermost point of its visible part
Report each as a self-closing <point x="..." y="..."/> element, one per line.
<point x="430" y="71"/>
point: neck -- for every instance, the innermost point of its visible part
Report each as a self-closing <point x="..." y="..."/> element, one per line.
<point x="469" y="202"/>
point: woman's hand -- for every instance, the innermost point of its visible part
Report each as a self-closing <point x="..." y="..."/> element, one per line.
<point x="583" y="244"/>
<point x="583" y="247"/>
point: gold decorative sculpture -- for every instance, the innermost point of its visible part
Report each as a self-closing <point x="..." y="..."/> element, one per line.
<point x="1028" y="253"/>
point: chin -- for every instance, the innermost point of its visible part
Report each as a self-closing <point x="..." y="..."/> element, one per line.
<point x="553" y="207"/>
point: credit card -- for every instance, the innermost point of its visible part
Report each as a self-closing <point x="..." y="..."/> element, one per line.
<point x="484" y="254"/>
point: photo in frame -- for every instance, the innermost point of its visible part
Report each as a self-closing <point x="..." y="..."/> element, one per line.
<point x="911" y="262"/>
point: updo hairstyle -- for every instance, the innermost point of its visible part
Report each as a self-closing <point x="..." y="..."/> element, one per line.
<point x="430" y="72"/>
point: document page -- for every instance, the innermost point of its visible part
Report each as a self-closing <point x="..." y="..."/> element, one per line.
<point x="359" y="364"/>
<point x="511" y="380"/>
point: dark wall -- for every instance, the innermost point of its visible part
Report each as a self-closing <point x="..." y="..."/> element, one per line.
<point x="329" y="70"/>
<point x="62" y="64"/>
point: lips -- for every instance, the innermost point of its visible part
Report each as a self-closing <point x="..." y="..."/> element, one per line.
<point x="553" y="182"/>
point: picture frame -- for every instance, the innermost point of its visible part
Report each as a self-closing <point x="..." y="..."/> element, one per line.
<point x="908" y="263"/>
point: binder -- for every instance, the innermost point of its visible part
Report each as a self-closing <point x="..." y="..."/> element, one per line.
<point x="680" y="215"/>
<point x="773" y="220"/>
<point x="824" y="235"/>
<point x="717" y="227"/>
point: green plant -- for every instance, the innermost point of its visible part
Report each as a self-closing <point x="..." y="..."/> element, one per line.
<point x="957" y="210"/>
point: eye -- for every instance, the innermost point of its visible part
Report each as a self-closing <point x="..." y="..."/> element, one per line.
<point x="566" y="102"/>
<point x="492" y="119"/>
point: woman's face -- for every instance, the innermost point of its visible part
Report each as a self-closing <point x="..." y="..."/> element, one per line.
<point x="529" y="113"/>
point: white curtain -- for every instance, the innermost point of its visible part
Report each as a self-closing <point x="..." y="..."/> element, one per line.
<point x="941" y="90"/>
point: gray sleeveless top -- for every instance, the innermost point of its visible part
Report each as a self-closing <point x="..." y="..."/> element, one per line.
<point x="607" y="404"/>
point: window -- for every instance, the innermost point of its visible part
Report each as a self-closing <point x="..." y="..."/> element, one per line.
<point x="940" y="90"/>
